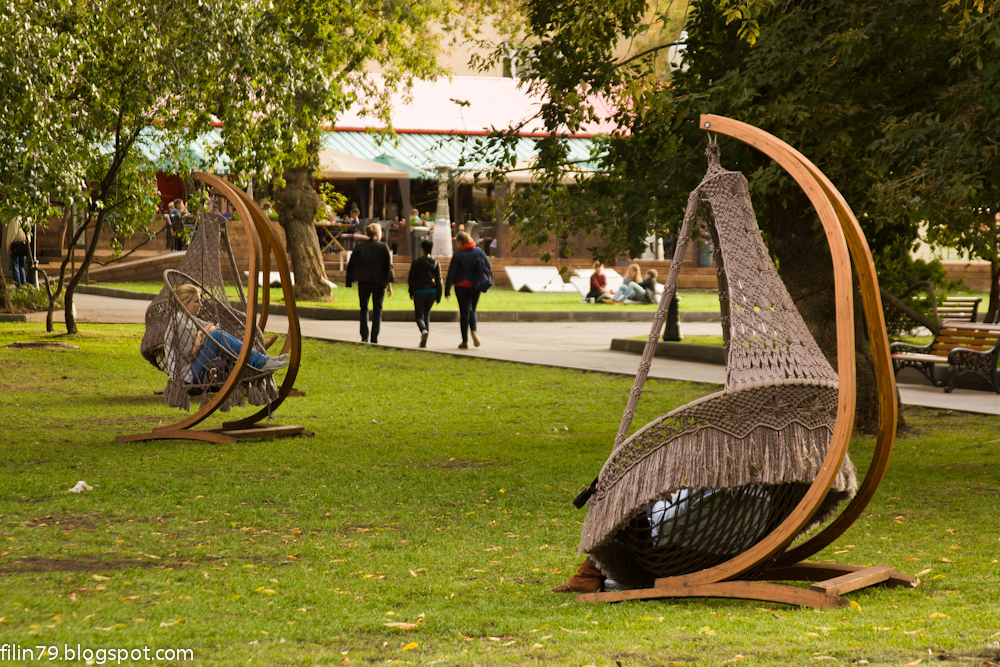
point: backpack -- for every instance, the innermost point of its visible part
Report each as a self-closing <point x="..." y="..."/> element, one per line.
<point x="481" y="276"/>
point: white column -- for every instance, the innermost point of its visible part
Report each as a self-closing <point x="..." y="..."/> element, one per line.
<point x="442" y="219"/>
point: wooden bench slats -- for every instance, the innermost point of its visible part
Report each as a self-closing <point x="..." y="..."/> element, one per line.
<point x="928" y="358"/>
<point x="977" y="344"/>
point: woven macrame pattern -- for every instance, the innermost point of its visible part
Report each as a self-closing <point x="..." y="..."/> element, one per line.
<point x="722" y="472"/>
<point x="165" y="318"/>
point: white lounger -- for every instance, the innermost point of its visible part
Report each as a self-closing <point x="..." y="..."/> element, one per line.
<point x="537" y="279"/>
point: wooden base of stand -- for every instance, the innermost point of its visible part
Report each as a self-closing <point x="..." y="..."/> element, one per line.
<point x="218" y="434"/>
<point x="831" y="581"/>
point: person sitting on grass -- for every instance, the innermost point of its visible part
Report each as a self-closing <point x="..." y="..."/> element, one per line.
<point x="189" y="351"/>
<point x="599" y="286"/>
<point x="639" y="292"/>
<point x="631" y="279"/>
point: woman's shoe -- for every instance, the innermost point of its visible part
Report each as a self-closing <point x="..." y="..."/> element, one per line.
<point x="423" y="338"/>
<point x="475" y="339"/>
<point x="463" y="346"/>
<point x="588" y="579"/>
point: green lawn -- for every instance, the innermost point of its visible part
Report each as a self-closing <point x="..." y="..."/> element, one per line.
<point x="435" y="492"/>
<point x="498" y="298"/>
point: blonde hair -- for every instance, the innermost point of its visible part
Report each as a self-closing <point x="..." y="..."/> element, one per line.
<point x="598" y="264"/>
<point x="187" y="293"/>
<point x="463" y="238"/>
<point x="373" y="230"/>
<point x="635" y="267"/>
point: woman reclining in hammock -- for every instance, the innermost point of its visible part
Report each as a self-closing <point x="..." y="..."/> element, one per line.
<point x="188" y="351"/>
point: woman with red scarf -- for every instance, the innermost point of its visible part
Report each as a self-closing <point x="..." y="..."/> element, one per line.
<point x="458" y="275"/>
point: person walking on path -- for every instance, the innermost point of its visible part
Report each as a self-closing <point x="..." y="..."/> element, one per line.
<point x="425" y="288"/>
<point x="371" y="267"/>
<point x="19" y="250"/>
<point x="459" y="272"/>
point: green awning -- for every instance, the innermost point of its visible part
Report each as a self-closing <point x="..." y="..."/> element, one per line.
<point x="422" y="154"/>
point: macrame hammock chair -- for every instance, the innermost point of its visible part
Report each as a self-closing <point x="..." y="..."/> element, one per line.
<point x="169" y="325"/>
<point x="704" y="500"/>
<point x="225" y="378"/>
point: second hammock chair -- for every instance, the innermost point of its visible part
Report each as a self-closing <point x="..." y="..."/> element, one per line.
<point x="703" y="501"/>
<point x="706" y="481"/>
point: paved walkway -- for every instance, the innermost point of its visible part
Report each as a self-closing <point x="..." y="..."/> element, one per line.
<point x="583" y="345"/>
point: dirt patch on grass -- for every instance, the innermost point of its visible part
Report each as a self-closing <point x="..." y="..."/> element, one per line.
<point x="81" y="564"/>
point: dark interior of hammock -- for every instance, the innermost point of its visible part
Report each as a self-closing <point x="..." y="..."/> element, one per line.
<point x="701" y="529"/>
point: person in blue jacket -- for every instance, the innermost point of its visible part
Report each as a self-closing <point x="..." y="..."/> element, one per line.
<point x="459" y="271"/>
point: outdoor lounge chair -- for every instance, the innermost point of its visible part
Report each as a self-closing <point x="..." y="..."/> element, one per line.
<point x="708" y="499"/>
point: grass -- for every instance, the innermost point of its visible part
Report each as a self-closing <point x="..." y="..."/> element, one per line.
<point x="498" y="298"/>
<point x="693" y="340"/>
<point x="435" y="492"/>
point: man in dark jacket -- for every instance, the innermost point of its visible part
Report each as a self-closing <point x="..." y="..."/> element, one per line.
<point x="371" y="267"/>
<point x="459" y="272"/>
<point x="425" y="288"/>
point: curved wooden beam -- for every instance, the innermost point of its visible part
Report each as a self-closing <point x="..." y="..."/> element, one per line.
<point x="789" y="159"/>
<point x="871" y="299"/>
<point x="232" y="381"/>
<point x="740" y="590"/>
<point x="293" y="341"/>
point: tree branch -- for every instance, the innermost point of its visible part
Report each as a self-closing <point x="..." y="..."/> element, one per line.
<point x="910" y="312"/>
<point x="645" y="53"/>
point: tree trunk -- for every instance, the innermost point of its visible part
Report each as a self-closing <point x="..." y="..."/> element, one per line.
<point x="5" y="302"/>
<point x="80" y="272"/>
<point x="297" y="204"/>
<point x="806" y="268"/>
<point x="991" y="314"/>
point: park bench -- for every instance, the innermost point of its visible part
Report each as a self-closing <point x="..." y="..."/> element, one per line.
<point x="959" y="308"/>
<point x="965" y="346"/>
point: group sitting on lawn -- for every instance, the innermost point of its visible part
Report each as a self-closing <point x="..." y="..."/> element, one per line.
<point x="632" y="291"/>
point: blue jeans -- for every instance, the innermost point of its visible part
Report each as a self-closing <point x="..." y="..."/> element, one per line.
<point x="19" y="274"/>
<point x="377" y="293"/>
<point x="210" y="349"/>
<point x="631" y="291"/>
<point x="468" y="299"/>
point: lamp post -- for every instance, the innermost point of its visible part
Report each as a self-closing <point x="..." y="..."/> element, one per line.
<point x="442" y="218"/>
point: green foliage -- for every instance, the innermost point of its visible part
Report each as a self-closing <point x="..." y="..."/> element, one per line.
<point x="883" y="98"/>
<point x="29" y="299"/>
<point x="333" y="200"/>
<point x="917" y="283"/>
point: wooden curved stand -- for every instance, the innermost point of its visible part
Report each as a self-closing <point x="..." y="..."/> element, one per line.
<point x="262" y="238"/>
<point x="847" y="243"/>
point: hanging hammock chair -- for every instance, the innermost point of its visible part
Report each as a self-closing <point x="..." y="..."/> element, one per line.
<point x="705" y="498"/>
<point x="225" y="377"/>
<point x="170" y="327"/>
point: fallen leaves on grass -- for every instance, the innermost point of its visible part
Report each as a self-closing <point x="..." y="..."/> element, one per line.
<point x="399" y="625"/>
<point x="411" y="645"/>
<point x="938" y="614"/>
